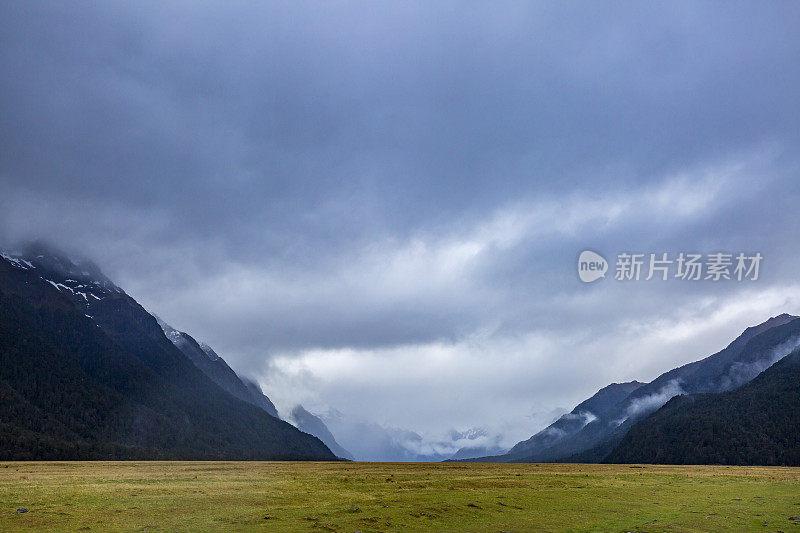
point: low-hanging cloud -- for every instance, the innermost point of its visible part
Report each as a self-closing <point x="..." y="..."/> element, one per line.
<point x="651" y="402"/>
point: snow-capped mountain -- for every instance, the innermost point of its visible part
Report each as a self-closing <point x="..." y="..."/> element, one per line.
<point x="476" y="442"/>
<point x="78" y="279"/>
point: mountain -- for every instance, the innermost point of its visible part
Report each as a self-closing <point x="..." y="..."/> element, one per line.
<point x="588" y="436"/>
<point x="757" y="349"/>
<point x="473" y="452"/>
<point x="369" y="441"/>
<point x="215" y="367"/>
<point x="475" y="442"/>
<point x="571" y="423"/>
<point x="257" y="395"/>
<point x="87" y="373"/>
<point x="314" y="425"/>
<point x="756" y="424"/>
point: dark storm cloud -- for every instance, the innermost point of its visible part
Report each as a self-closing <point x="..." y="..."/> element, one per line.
<point x="411" y="110"/>
<point x="283" y="178"/>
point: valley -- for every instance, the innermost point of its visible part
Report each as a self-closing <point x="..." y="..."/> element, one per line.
<point x="330" y="496"/>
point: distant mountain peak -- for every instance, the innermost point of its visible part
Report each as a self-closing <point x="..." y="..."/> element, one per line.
<point x="752" y="331"/>
<point x="771" y="322"/>
<point x="310" y="423"/>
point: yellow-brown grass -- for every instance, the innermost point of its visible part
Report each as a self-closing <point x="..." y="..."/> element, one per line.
<point x="153" y="496"/>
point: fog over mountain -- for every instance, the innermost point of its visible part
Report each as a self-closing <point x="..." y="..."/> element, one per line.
<point x="755" y="424"/>
<point x="366" y="209"/>
<point x="597" y="425"/>
<point x="87" y="373"/>
<point x="370" y="441"/>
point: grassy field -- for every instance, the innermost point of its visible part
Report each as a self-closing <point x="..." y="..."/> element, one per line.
<point x="365" y="497"/>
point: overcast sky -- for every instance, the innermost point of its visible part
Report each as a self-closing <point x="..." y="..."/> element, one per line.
<point x="378" y="207"/>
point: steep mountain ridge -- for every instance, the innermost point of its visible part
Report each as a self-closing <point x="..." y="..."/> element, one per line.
<point x="310" y="423"/>
<point x="215" y="367"/>
<point x="584" y="413"/>
<point x="86" y="372"/>
<point x="755" y="424"/>
<point x="743" y="359"/>
<point x="580" y="437"/>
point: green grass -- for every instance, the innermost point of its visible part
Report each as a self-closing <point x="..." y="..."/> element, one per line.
<point x="151" y="496"/>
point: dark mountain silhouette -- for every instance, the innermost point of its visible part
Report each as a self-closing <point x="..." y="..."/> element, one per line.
<point x="314" y="425"/>
<point x="756" y="424"/>
<point x="87" y="373"/>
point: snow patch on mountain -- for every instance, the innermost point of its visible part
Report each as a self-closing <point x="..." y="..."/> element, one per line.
<point x="209" y="351"/>
<point x="16" y="260"/>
